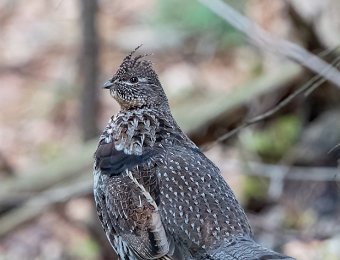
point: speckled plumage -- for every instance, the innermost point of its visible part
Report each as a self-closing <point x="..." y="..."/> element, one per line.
<point x="157" y="195"/>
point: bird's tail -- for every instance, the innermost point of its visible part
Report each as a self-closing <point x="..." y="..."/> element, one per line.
<point x="244" y="248"/>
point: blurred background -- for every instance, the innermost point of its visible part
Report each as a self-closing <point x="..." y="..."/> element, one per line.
<point x="56" y="54"/>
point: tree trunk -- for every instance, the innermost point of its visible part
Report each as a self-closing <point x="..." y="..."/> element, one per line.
<point x="89" y="69"/>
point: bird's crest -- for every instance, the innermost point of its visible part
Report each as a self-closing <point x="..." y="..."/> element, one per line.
<point x="136" y="63"/>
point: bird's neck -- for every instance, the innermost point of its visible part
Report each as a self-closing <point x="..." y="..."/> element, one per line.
<point x="134" y="130"/>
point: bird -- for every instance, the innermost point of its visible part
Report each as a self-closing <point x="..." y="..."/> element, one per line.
<point x="157" y="195"/>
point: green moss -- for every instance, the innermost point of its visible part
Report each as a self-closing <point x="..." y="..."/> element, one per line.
<point x="255" y="187"/>
<point x="50" y="150"/>
<point x="274" y="141"/>
<point x="86" y="249"/>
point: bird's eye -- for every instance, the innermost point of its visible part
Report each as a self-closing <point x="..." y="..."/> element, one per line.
<point x="133" y="79"/>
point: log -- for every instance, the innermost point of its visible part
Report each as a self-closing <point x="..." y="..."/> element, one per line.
<point x="70" y="165"/>
<point x="199" y="111"/>
<point x="43" y="201"/>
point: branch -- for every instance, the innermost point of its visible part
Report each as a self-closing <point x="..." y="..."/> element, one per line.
<point x="266" y="41"/>
<point x="34" y="206"/>
<point x="288" y="172"/>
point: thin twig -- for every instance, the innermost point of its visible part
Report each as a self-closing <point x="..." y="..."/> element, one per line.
<point x="266" y="41"/>
<point x="313" y="84"/>
<point x="337" y="146"/>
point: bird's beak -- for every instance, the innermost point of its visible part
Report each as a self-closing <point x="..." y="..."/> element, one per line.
<point x="108" y="84"/>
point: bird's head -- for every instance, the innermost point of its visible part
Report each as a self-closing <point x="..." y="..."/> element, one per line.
<point x="136" y="84"/>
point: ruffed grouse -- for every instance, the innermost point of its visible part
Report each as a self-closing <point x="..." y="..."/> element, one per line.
<point x="157" y="195"/>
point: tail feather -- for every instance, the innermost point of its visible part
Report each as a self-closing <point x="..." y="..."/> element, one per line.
<point x="244" y="248"/>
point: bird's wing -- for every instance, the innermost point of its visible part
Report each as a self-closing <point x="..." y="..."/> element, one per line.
<point x="131" y="193"/>
<point x="121" y="248"/>
<point x="196" y="202"/>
